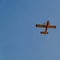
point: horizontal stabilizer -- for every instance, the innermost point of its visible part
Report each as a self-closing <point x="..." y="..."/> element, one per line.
<point x="44" y="32"/>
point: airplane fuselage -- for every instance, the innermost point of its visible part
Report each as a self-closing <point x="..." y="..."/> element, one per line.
<point x="47" y="24"/>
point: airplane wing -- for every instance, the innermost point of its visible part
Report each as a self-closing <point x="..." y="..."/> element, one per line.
<point x="41" y="25"/>
<point x="44" y="26"/>
<point x="51" y="26"/>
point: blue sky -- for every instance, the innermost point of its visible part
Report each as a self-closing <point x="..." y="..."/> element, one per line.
<point x="20" y="39"/>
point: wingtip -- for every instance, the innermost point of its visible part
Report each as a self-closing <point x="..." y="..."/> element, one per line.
<point x="36" y="25"/>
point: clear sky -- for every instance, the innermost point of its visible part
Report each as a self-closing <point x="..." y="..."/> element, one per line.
<point x="20" y="39"/>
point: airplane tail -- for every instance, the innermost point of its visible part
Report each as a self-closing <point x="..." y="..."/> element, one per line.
<point x="44" y="32"/>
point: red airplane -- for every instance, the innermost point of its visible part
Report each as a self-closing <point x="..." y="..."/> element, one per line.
<point x="46" y="26"/>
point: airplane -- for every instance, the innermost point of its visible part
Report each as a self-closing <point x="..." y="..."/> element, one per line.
<point x="46" y="26"/>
